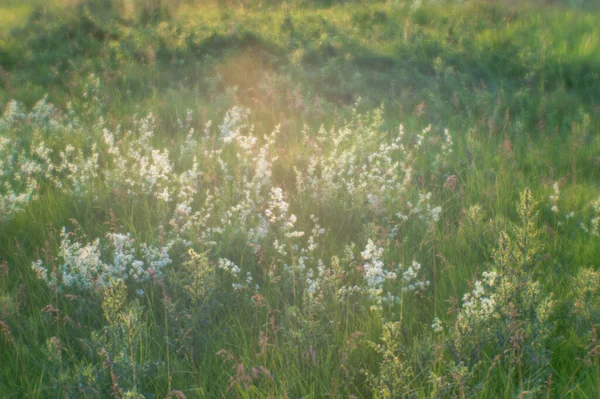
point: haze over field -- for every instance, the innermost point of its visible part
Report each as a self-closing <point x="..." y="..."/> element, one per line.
<point x="302" y="199"/>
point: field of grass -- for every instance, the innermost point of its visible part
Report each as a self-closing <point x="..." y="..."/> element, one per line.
<point x="302" y="199"/>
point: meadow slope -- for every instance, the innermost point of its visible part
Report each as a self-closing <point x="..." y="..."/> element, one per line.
<point x="257" y="199"/>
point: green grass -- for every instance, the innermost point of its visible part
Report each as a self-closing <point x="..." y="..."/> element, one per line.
<point x="517" y="84"/>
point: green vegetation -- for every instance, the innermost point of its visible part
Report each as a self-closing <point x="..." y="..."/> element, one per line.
<point x="378" y="199"/>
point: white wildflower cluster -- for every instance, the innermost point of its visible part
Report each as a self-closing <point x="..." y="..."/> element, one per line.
<point x="233" y="123"/>
<point x="80" y="172"/>
<point x="240" y="280"/>
<point x="85" y="267"/>
<point x="355" y="163"/>
<point x="595" y="221"/>
<point x="508" y="294"/>
<point x="298" y="254"/>
<point x="43" y="117"/>
<point x="277" y="208"/>
<point x="250" y="204"/>
<point x="349" y="293"/>
<point x="554" y="208"/>
<point x="13" y="113"/>
<point x="373" y="268"/>
<point x="229" y="266"/>
<point x="317" y="283"/>
<point x="218" y="185"/>
<point x="324" y="287"/>
<point x="376" y="276"/>
<point x="445" y="149"/>
<point x="27" y="162"/>
<point x="423" y="210"/>
<point x="593" y="226"/>
<point x="420" y="138"/>
<point x="412" y="281"/>
<point x="14" y="199"/>
<point x="315" y="233"/>
<point x="478" y="306"/>
<point x="190" y="144"/>
<point x="138" y="166"/>
<point x="437" y="326"/>
<point x="447" y="145"/>
<point x="554" y="198"/>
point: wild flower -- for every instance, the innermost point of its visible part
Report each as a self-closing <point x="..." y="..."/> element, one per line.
<point x="373" y="268"/>
<point x="554" y="198"/>
<point x="412" y="280"/>
<point x="13" y="112"/>
<point x="219" y="187"/>
<point x="444" y="154"/>
<point x="508" y="299"/>
<point x="80" y="172"/>
<point x="277" y="208"/>
<point x="355" y="163"/>
<point x="82" y="267"/>
<point x="233" y="123"/>
<point x="137" y="165"/>
<point x="229" y="266"/>
<point x="437" y="326"/>
<point x="423" y="210"/>
<point x="595" y="222"/>
<point x="447" y="146"/>
<point x="376" y="276"/>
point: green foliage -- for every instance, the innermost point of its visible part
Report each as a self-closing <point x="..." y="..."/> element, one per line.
<point x="245" y="216"/>
<point x="507" y="309"/>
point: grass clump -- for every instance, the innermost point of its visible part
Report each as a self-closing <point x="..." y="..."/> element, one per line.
<point x="254" y="199"/>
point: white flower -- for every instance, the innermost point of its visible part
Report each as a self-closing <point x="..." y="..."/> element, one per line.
<point x="555" y="197"/>
<point x="437" y="325"/>
<point x="233" y="122"/>
<point x="82" y="266"/>
<point x="229" y="266"/>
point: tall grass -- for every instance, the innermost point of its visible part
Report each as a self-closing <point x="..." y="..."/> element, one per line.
<point x="312" y="199"/>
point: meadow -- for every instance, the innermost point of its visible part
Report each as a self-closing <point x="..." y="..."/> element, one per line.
<point x="301" y="199"/>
